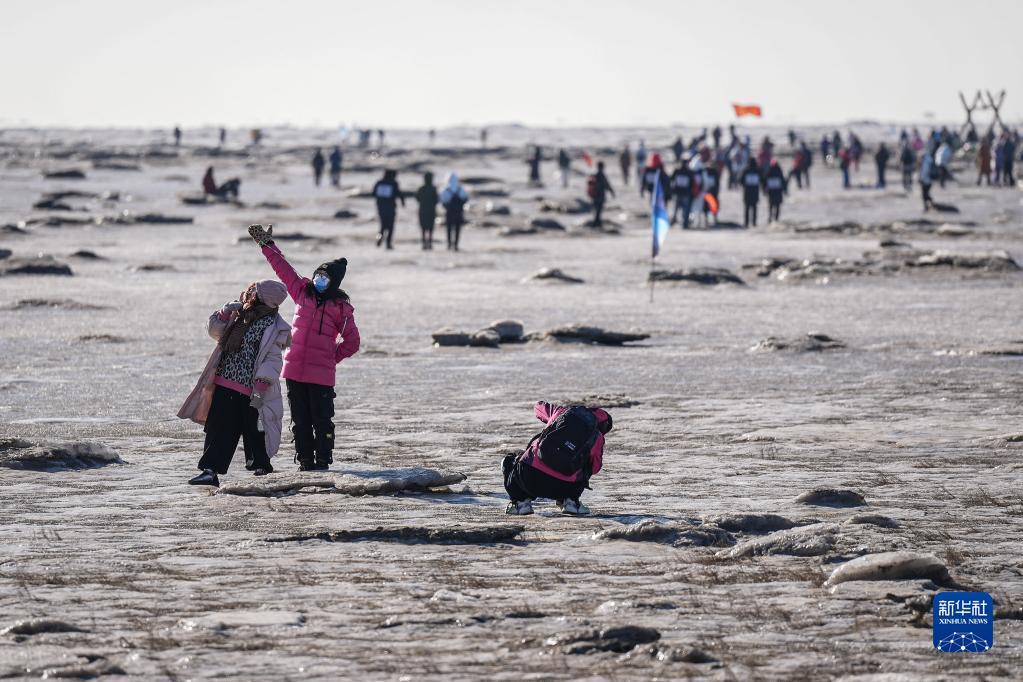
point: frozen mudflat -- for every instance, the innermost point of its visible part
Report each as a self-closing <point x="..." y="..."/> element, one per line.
<point x="743" y="490"/>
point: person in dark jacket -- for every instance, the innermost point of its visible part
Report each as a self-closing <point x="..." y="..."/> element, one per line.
<point x="881" y="157"/>
<point x="751" y="181"/>
<point x="528" y="476"/>
<point x="564" y="166"/>
<point x="774" y="183"/>
<point x="318" y="163"/>
<point x="534" y="166"/>
<point x="454" y="198"/>
<point x="682" y="183"/>
<point x="335" y="166"/>
<point x="678" y="148"/>
<point x="600" y="187"/>
<point x="387" y="193"/>
<point x="907" y="158"/>
<point x="711" y="186"/>
<point x="653" y="171"/>
<point x="427" y="198"/>
<point x="625" y="161"/>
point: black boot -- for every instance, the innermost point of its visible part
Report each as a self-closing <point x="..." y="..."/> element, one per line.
<point x="207" y="477"/>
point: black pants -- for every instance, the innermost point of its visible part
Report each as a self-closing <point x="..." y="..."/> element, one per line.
<point x="749" y="213"/>
<point x="454" y="226"/>
<point x="317" y="174"/>
<point x="907" y="179"/>
<point x="598" y="211"/>
<point x="523" y="482"/>
<point x="1009" y="179"/>
<point x="798" y="175"/>
<point x="925" y="191"/>
<point x="880" y="176"/>
<point x="312" y="412"/>
<point x="335" y="177"/>
<point x="231" y="418"/>
<point x="683" y="202"/>
<point x="774" y="199"/>
<point x="386" y="228"/>
<point x="426" y="222"/>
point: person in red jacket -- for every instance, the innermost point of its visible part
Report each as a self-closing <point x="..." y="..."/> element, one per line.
<point x="323" y="312"/>
<point x="552" y="466"/>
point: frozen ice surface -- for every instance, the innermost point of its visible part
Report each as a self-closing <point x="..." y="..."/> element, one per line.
<point x="711" y="442"/>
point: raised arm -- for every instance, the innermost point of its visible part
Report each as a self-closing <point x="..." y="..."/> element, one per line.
<point x="291" y="279"/>
<point x="218" y="321"/>
<point x="350" y="340"/>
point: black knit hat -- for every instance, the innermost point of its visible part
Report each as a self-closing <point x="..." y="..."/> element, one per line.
<point x="335" y="269"/>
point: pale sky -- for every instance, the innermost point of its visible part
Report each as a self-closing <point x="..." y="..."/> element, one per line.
<point x="420" y="63"/>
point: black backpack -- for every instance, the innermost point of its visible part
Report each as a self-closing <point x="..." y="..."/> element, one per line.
<point x="565" y="444"/>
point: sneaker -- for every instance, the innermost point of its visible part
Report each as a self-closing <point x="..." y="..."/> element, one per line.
<point x="207" y="477"/>
<point x="574" y="508"/>
<point x="522" y="508"/>
<point x="306" y="465"/>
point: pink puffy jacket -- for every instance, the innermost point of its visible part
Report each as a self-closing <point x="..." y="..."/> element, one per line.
<point x="547" y="413"/>
<point x="315" y="350"/>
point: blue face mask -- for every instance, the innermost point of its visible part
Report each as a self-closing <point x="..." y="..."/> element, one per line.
<point x="321" y="282"/>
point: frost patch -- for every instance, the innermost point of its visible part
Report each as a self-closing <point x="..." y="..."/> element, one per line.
<point x="383" y="482"/>
<point x="16" y="453"/>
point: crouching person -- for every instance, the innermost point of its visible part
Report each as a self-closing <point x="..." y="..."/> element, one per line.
<point x="238" y="394"/>
<point x="559" y="461"/>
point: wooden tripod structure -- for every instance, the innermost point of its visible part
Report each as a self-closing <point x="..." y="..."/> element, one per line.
<point x="979" y="104"/>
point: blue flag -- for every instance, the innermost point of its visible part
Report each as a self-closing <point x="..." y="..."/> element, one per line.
<point x="658" y="216"/>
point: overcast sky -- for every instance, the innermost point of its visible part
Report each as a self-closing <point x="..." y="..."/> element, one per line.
<point x="421" y="63"/>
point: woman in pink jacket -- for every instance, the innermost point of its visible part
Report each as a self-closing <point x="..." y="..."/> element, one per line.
<point x="559" y="461"/>
<point x="323" y="313"/>
<point x="238" y="394"/>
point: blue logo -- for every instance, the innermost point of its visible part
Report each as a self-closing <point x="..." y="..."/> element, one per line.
<point x="963" y="622"/>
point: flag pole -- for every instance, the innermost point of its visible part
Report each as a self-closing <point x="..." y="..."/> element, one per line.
<point x="651" y="278"/>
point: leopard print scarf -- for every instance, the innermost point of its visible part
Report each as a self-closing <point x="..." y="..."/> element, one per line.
<point x="234" y="335"/>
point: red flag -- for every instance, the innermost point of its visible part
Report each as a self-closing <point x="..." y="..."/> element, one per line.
<point x="747" y="110"/>
<point x="587" y="158"/>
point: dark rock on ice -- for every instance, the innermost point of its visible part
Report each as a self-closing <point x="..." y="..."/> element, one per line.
<point x="999" y="261"/>
<point x="473" y="535"/>
<point x="508" y="331"/>
<point x="472" y="180"/>
<point x="39" y="265"/>
<point x="70" y="174"/>
<point x="64" y="303"/>
<point x="546" y="224"/>
<point x="617" y="639"/>
<point x="490" y="208"/>
<point x="585" y="334"/>
<point x="670" y="654"/>
<point x="5" y="253"/>
<point x="493" y="193"/>
<point x="154" y="267"/>
<point x="485" y="338"/>
<point x="706" y="276"/>
<point x="345" y="214"/>
<point x="86" y="255"/>
<point x="161" y="219"/>
<point x="647" y="530"/>
<point x="811" y="343"/>
<point x="571" y="207"/>
<point x="555" y="275"/>
<point x="831" y="497"/>
<point x="102" y="338"/>
<point x="448" y="337"/>
<point x="16" y="453"/>
<point x="382" y="482"/>
<point x="39" y="626"/>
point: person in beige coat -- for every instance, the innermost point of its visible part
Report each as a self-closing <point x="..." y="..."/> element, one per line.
<point x="238" y="395"/>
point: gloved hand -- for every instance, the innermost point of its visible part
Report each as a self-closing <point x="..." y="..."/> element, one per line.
<point x="256" y="400"/>
<point x="229" y="309"/>
<point x="261" y="236"/>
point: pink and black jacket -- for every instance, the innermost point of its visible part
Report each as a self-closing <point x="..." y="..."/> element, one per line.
<point x="548" y="413"/>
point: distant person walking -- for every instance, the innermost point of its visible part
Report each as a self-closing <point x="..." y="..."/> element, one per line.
<point x="855" y="151"/>
<point x="683" y="185"/>
<point x="943" y="159"/>
<point x="177" y="136"/>
<point x="387" y="193"/>
<point x="453" y="198"/>
<point x="844" y="162"/>
<point x="534" y="166"/>
<point x="928" y="171"/>
<point x="881" y="157"/>
<point x="751" y="181"/>
<point x="807" y="154"/>
<point x="984" y="162"/>
<point x="427" y="198"/>
<point x="564" y="167"/>
<point x="651" y="174"/>
<point x="598" y="187"/>
<point x="318" y="163"/>
<point x="1010" y="160"/>
<point x="678" y="148"/>
<point x="640" y="165"/>
<point x="625" y="162"/>
<point x="336" y="159"/>
<point x="774" y="183"/>
<point x="907" y="158"/>
<point x="223" y="136"/>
